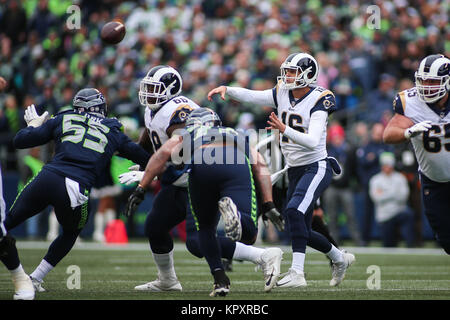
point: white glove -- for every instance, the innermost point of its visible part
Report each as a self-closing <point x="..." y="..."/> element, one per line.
<point x="130" y="177"/>
<point x="135" y="167"/>
<point x="32" y="118"/>
<point x="417" y="129"/>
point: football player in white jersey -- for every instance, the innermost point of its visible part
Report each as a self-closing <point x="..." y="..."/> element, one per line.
<point x="422" y="116"/>
<point x="167" y="110"/>
<point x="303" y="109"/>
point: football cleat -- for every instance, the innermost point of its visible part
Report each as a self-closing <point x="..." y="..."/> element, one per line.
<point x="339" y="268"/>
<point x="37" y="285"/>
<point x="160" y="285"/>
<point x="231" y="217"/>
<point x="270" y="265"/>
<point x="24" y="289"/>
<point x="221" y="284"/>
<point x="292" y="279"/>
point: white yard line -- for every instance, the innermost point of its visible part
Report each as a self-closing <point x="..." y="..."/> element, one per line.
<point x="144" y="246"/>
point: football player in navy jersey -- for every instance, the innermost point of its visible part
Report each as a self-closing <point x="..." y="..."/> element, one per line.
<point x="422" y="116"/>
<point x="221" y="168"/>
<point x="303" y="109"/>
<point x="85" y="140"/>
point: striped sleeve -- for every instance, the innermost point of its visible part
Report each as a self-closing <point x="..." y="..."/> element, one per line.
<point x="399" y="103"/>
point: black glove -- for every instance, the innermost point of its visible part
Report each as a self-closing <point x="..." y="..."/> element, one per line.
<point x="271" y="213"/>
<point x="134" y="201"/>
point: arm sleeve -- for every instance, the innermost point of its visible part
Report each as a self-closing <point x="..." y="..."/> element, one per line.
<point x="264" y="98"/>
<point x="133" y="152"/>
<point x="312" y="138"/>
<point x="30" y="137"/>
<point x="398" y="104"/>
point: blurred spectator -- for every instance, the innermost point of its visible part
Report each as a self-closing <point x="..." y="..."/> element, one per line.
<point x="379" y="102"/>
<point x="339" y="196"/>
<point x="389" y="191"/>
<point x="13" y="23"/>
<point x="367" y="165"/>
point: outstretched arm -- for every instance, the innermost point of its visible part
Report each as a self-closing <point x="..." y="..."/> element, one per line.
<point x="157" y="163"/>
<point x="258" y="97"/>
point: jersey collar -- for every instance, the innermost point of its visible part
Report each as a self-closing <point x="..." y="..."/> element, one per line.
<point x="294" y="101"/>
<point x="440" y="112"/>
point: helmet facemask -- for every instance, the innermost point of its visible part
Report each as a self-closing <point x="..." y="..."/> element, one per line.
<point x="431" y="92"/>
<point x="154" y="93"/>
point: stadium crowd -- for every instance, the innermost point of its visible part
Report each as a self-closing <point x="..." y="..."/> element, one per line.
<point x="241" y="42"/>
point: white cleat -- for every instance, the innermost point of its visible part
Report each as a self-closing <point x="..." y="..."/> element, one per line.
<point x="37" y="285"/>
<point x="270" y="265"/>
<point x="292" y="279"/>
<point x="24" y="289"/>
<point x="161" y="285"/>
<point x="231" y="218"/>
<point x="339" y="268"/>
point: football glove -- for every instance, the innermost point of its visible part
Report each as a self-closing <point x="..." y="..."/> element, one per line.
<point x="417" y="129"/>
<point x="271" y="213"/>
<point x="32" y="118"/>
<point x="135" y="167"/>
<point x="134" y="201"/>
<point x="130" y="177"/>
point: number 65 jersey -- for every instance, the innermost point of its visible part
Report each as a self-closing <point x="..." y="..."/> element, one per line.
<point x="84" y="144"/>
<point x="432" y="148"/>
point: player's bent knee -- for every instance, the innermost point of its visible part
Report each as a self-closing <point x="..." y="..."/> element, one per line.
<point x="193" y="247"/>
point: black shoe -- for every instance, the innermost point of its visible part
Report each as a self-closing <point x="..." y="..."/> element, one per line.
<point x="221" y="284"/>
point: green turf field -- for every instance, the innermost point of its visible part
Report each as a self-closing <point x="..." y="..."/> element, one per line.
<point x="113" y="272"/>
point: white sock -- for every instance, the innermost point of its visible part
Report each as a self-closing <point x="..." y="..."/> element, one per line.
<point x="41" y="271"/>
<point x="164" y="262"/>
<point x="335" y="254"/>
<point x="99" y="221"/>
<point x="110" y="215"/>
<point x="298" y="261"/>
<point x="17" y="272"/>
<point x="247" y="253"/>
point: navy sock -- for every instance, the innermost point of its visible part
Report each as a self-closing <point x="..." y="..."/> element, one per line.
<point x="319" y="242"/>
<point x="60" y="247"/>
<point x="298" y="230"/>
<point x="210" y="247"/>
<point x="8" y="253"/>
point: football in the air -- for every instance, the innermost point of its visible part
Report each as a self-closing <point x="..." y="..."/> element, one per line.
<point x="113" y="32"/>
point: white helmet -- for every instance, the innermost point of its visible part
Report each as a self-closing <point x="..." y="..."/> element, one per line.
<point x="307" y="70"/>
<point x="159" y="85"/>
<point x="434" y="67"/>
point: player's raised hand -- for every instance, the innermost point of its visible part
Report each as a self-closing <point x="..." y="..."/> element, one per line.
<point x="275" y="123"/>
<point x="417" y="129"/>
<point x="32" y="118"/>
<point x="220" y="90"/>
<point x="134" y="201"/>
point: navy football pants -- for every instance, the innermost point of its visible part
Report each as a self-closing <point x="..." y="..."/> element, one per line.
<point x="207" y="185"/>
<point x="306" y="184"/>
<point x="49" y="189"/>
<point x="436" y="199"/>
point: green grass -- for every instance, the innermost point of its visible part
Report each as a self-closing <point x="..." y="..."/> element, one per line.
<point x="112" y="273"/>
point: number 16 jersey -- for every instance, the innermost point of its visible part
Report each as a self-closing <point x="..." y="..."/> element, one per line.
<point x="432" y="148"/>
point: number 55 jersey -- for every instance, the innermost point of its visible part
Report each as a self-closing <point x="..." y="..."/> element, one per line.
<point x="84" y="144"/>
<point x="432" y="148"/>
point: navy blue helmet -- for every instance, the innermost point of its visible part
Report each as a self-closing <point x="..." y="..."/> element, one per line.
<point x="203" y="117"/>
<point x="90" y="100"/>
